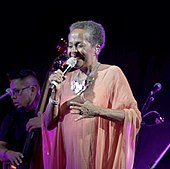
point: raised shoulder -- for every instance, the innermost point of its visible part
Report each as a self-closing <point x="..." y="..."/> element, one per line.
<point x="109" y="68"/>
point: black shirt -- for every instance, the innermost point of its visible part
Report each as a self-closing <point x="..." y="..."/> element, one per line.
<point x="13" y="129"/>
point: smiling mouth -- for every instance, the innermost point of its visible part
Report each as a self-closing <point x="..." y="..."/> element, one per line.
<point x="16" y="104"/>
<point x="80" y="56"/>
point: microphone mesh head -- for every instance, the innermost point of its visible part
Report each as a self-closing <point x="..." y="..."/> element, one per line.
<point x="8" y="90"/>
<point x="71" y="62"/>
<point x="158" y="86"/>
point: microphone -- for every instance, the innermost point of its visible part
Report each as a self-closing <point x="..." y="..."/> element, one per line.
<point x="69" y="64"/>
<point x="8" y="93"/>
<point x="157" y="87"/>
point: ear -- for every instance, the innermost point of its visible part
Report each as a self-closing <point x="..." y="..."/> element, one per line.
<point x="33" y="88"/>
<point x="97" y="49"/>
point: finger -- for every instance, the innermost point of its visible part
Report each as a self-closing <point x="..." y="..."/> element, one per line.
<point x="57" y="71"/>
<point x="32" y="128"/>
<point x="19" y="159"/>
<point x="75" y="104"/>
<point x="12" y="162"/>
<point x="27" y="127"/>
<point x="75" y="107"/>
<point x="22" y="156"/>
<point x="16" y="162"/>
<point x="39" y="114"/>
<point x="54" y="77"/>
<point x="75" y="111"/>
<point x="79" y="118"/>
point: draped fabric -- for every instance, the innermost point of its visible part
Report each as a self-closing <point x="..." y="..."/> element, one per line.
<point x="95" y="143"/>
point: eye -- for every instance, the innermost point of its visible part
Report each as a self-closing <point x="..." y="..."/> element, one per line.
<point x="80" y="45"/>
<point x="70" y="46"/>
<point x="16" y="91"/>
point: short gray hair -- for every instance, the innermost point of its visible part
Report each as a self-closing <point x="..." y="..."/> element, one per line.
<point x="95" y="30"/>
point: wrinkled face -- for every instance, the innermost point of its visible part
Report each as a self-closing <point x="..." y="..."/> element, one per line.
<point x="79" y="47"/>
<point x="21" y="93"/>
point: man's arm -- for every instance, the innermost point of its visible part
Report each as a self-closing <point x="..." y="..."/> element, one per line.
<point x="3" y="150"/>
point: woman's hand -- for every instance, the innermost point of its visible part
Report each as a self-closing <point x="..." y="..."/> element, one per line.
<point x="57" y="78"/>
<point x="85" y="110"/>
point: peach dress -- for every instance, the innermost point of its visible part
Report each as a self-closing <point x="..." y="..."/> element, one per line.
<point x="95" y="143"/>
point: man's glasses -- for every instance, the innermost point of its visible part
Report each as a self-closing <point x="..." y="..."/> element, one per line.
<point x="18" y="92"/>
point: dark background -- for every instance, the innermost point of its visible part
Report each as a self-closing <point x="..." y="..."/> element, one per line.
<point x="137" y="40"/>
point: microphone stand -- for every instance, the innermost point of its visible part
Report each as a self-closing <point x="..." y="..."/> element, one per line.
<point x="152" y="114"/>
<point x="146" y="106"/>
<point x="147" y="103"/>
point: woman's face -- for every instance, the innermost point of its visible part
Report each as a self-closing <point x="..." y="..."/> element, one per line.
<point x="79" y="47"/>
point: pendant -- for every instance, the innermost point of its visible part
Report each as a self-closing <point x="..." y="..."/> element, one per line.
<point x="78" y="87"/>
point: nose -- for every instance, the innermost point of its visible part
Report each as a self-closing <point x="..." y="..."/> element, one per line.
<point x="74" y="49"/>
<point x="13" y="96"/>
<point x="73" y="53"/>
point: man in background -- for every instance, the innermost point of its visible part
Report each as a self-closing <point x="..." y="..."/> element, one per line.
<point x="20" y="132"/>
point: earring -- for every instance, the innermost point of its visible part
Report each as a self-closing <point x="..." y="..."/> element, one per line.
<point x="96" y="51"/>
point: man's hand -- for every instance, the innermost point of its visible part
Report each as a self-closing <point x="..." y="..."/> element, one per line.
<point x="33" y="123"/>
<point x="15" y="158"/>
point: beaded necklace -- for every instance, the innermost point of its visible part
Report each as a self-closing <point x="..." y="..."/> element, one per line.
<point x="80" y="85"/>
